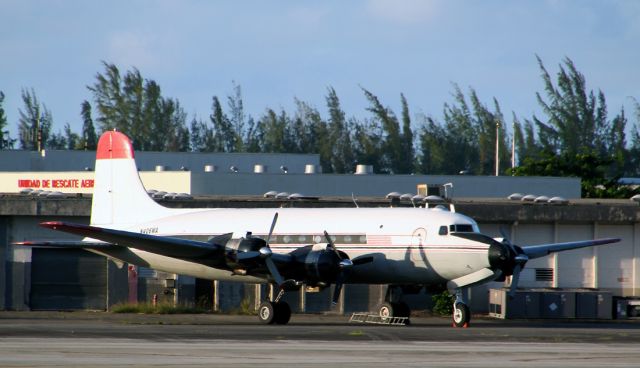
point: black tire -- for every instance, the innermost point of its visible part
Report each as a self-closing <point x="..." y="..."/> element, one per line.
<point x="387" y="310"/>
<point x="402" y="310"/>
<point x="283" y="313"/>
<point x="461" y="315"/>
<point x="267" y="313"/>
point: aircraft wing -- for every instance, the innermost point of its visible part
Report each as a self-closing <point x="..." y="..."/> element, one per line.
<point x="537" y="251"/>
<point x="80" y="244"/>
<point x="163" y="245"/>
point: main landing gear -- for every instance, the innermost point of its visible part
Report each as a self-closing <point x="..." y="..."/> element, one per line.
<point x="393" y="306"/>
<point x="278" y="313"/>
<point x="274" y="312"/>
<point x="461" y="312"/>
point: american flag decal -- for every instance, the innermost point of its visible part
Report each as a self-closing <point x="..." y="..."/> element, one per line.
<point x="378" y="240"/>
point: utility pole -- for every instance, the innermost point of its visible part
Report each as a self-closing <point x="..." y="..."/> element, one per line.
<point x="38" y="132"/>
<point x="513" y="148"/>
<point x="497" y="148"/>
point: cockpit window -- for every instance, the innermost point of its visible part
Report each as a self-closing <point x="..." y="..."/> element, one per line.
<point x="443" y="230"/>
<point x="461" y="228"/>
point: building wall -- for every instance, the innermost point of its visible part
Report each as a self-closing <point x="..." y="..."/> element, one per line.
<point x="54" y="160"/>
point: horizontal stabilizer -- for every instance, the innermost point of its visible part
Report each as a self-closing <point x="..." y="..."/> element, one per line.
<point x="163" y="245"/>
<point x="474" y="278"/>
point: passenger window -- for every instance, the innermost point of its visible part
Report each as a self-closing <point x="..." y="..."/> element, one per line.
<point x="443" y="230"/>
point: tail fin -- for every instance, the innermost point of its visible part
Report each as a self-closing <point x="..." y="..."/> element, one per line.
<point x="118" y="194"/>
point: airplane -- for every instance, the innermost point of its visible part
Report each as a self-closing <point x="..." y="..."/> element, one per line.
<point x="291" y="247"/>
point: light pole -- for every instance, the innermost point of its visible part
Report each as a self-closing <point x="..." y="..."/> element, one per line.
<point x="497" y="148"/>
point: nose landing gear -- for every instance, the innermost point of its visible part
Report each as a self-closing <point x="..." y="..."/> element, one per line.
<point x="461" y="312"/>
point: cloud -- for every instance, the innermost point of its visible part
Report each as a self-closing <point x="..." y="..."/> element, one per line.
<point x="403" y="12"/>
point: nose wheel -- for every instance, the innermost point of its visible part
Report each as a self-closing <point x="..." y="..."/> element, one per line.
<point x="461" y="315"/>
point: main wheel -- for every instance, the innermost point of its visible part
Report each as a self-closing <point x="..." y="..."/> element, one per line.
<point x="461" y="315"/>
<point x="283" y="313"/>
<point x="267" y="312"/>
<point x="386" y="310"/>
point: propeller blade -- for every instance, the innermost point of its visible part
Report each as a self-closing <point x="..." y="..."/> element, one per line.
<point x="271" y="266"/>
<point x="247" y="256"/>
<point x="329" y="241"/>
<point x="514" y="280"/>
<point x="337" y="290"/>
<point x="345" y="269"/>
<point x="273" y="225"/>
<point x="505" y="236"/>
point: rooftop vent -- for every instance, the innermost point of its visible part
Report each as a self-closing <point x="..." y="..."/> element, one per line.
<point x="309" y="169"/>
<point x="516" y="196"/>
<point x="364" y="169"/>
<point x="541" y="199"/>
<point x="433" y="199"/>
<point x="270" y="194"/>
<point x="558" y="200"/>
<point x="393" y="195"/>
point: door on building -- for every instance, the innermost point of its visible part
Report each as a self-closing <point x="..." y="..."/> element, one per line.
<point x="67" y="279"/>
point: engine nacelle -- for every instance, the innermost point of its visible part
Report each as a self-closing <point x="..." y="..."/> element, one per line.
<point x="321" y="265"/>
<point x="237" y="246"/>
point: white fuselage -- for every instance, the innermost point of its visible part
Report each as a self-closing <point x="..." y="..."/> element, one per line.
<point x="407" y="244"/>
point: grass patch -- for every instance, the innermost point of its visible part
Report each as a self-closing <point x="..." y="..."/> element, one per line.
<point x="160" y="308"/>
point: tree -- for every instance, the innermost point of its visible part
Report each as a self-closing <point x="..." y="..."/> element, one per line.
<point x="342" y="155"/>
<point x="135" y="106"/>
<point x="224" y="139"/>
<point x="5" y="139"/>
<point x="89" y="140"/>
<point x="274" y="132"/>
<point x="71" y="139"/>
<point x="576" y="120"/>
<point x="237" y="117"/>
<point x="34" y="124"/>
<point x="396" y="158"/>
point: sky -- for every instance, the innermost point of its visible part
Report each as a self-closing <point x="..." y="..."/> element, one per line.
<point x="281" y="50"/>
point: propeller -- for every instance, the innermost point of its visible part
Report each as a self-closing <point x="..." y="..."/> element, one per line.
<point x="519" y="259"/>
<point x="345" y="265"/>
<point x="266" y="253"/>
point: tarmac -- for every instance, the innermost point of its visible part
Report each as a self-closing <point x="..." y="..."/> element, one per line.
<point x="90" y="339"/>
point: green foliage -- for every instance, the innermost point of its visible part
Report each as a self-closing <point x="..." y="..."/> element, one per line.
<point x="443" y="303"/>
<point x="34" y="125"/>
<point x="135" y="106"/>
<point x="589" y="167"/>
<point x="89" y="139"/>
<point x="467" y="139"/>
<point x="5" y="138"/>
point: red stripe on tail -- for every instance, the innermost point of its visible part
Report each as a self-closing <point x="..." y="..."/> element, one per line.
<point x="114" y="145"/>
